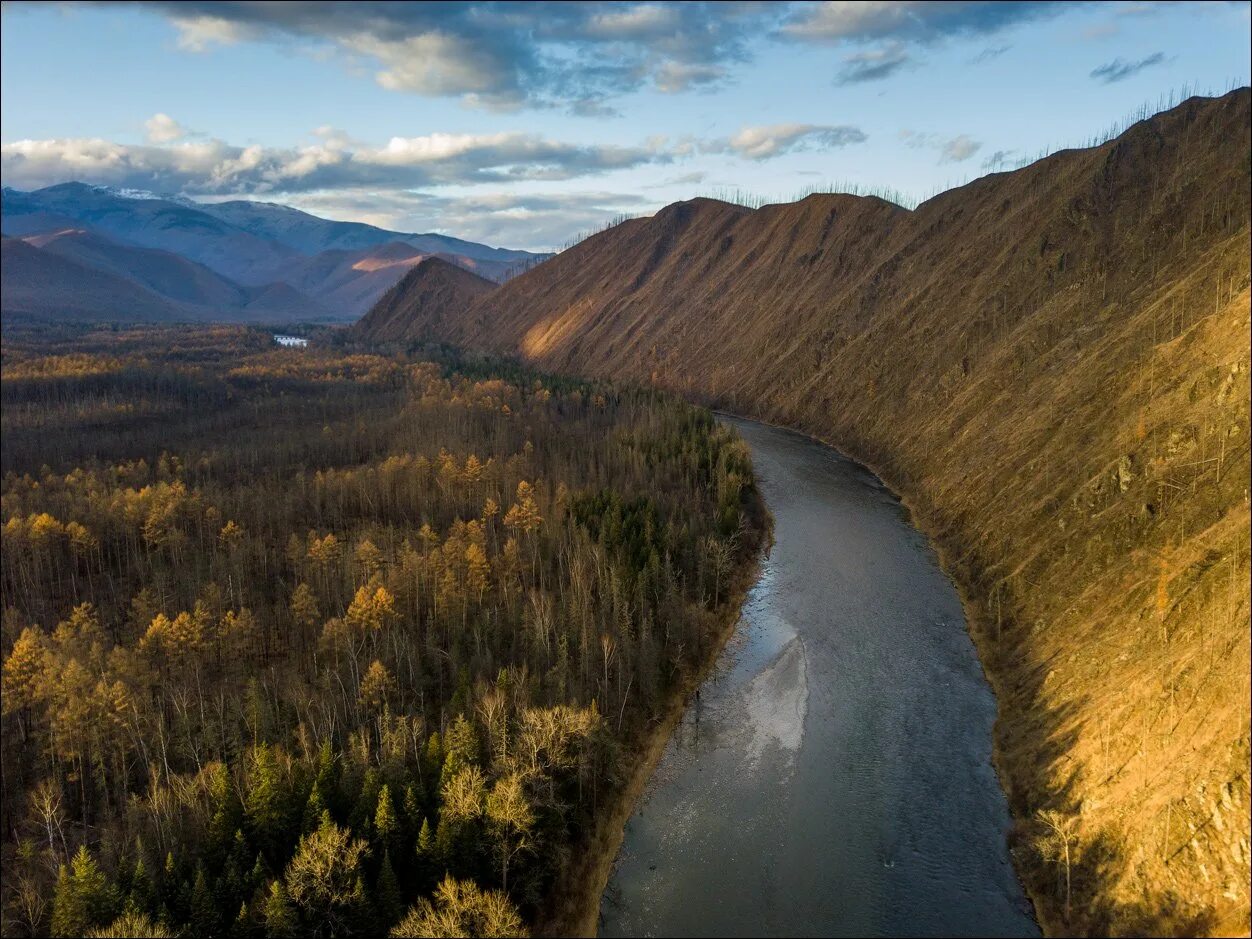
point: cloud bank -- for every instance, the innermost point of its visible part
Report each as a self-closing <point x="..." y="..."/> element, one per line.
<point x="209" y="167"/>
<point x="579" y="56"/>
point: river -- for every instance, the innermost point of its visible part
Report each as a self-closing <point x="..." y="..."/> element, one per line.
<point x="834" y="775"/>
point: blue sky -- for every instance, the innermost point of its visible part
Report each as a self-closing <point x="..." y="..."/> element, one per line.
<point x="523" y="124"/>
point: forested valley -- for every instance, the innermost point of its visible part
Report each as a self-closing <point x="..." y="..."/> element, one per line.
<point x="317" y="642"/>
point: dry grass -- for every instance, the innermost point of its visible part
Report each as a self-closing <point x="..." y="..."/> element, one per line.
<point x="1052" y="366"/>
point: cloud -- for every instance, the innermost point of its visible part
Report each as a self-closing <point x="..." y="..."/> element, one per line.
<point x="683" y="179"/>
<point x="214" y="166"/>
<point x="762" y="143"/>
<point x="991" y="52"/>
<point x="997" y="160"/>
<point x="919" y="22"/>
<point x="501" y="56"/>
<point x="200" y="33"/>
<point x="958" y="149"/>
<point x="872" y="64"/>
<point x="161" y="128"/>
<point x="539" y="222"/>
<point x="1119" y="70"/>
<point x="890" y="32"/>
<point x="951" y="149"/>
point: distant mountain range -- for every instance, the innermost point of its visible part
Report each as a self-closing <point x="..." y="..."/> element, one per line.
<point x="80" y="252"/>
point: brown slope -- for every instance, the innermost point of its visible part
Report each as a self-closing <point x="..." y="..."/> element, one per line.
<point x="432" y="292"/>
<point x="1052" y="366"/>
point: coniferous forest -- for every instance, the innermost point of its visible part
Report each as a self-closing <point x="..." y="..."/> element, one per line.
<point x="312" y="642"/>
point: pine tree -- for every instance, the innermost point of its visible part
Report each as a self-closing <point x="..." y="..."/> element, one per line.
<point x="386" y="822"/>
<point x="412" y="812"/>
<point x="142" y="895"/>
<point x="427" y="867"/>
<point x="328" y="780"/>
<point x="367" y="803"/>
<point x="227" y="813"/>
<point x="267" y="807"/>
<point x="387" y="900"/>
<point x="170" y="895"/>
<point x="461" y="746"/>
<point x="203" y="914"/>
<point x="280" y="916"/>
<point x="432" y="763"/>
<point x="242" y="927"/>
<point x="313" y="809"/>
<point x="83" y="899"/>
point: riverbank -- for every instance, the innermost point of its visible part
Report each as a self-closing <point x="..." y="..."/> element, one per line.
<point x="836" y="776"/>
<point x="980" y="621"/>
<point x="574" y="907"/>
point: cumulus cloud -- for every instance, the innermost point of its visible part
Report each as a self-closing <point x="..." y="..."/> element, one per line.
<point x="762" y="143"/>
<point x="200" y="33"/>
<point x="890" y="32"/>
<point x="334" y="161"/>
<point x="161" y="128"/>
<point x="578" y="56"/>
<point x="501" y="56"/>
<point x="951" y="149"/>
<point x="1119" y="70"/>
<point x="872" y="64"/>
<point x="958" y="149"/>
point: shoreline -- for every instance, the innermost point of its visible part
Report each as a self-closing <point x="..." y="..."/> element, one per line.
<point x="976" y="619"/>
<point x="579" y="888"/>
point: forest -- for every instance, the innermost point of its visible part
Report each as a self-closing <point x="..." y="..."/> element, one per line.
<point x="332" y="643"/>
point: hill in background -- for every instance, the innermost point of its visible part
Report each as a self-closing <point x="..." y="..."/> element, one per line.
<point x="231" y="261"/>
<point x="432" y="290"/>
<point x="1051" y="365"/>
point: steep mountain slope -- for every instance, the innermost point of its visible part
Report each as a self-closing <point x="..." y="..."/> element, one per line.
<point x="1051" y="365"/>
<point x="434" y="290"/>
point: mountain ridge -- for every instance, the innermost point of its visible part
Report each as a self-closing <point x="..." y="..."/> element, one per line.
<point x="335" y="270"/>
<point x="1050" y="365"/>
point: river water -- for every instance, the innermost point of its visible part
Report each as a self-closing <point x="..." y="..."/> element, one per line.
<point x="834" y="776"/>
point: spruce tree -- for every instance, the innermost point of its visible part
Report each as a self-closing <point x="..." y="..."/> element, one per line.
<point x="386" y="822"/>
<point x="202" y="920"/>
<point x="279" y="914"/>
<point x="387" y="900"/>
<point x="267" y="807"/>
<point x="84" y="898"/>
<point x="427" y="860"/>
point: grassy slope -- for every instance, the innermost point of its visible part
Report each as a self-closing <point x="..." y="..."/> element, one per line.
<point x="1052" y="366"/>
